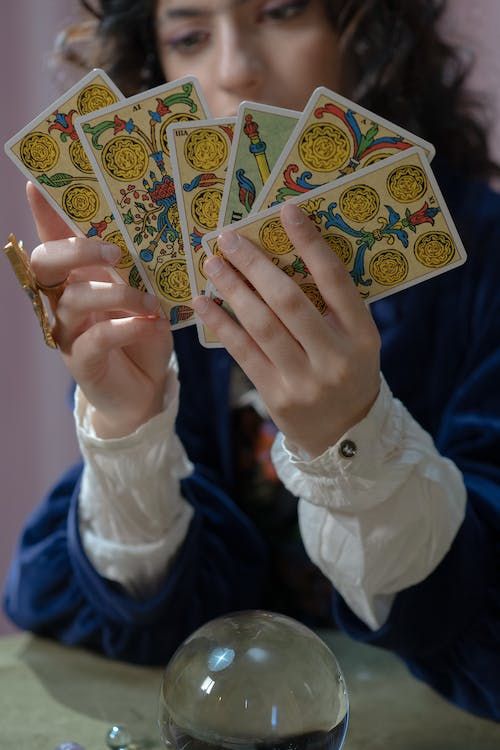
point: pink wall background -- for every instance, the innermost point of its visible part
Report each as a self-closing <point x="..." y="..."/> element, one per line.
<point x="36" y="430"/>
<point x="36" y="433"/>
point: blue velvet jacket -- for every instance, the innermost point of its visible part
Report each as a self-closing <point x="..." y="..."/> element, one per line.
<point x="441" y="358"/>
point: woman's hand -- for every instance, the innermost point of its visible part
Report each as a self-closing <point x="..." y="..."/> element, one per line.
<point x="318" y="375"/>
<point x="111" y="338"/>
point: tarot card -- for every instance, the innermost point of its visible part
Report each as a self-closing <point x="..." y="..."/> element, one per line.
<point x="199" y="153"/>
<point x="260" y="134"/>
<point x="49" y="152"/>
<point x="127" y="146"/>
<point x="388" y="224"/>
<point x="333" y="138"/>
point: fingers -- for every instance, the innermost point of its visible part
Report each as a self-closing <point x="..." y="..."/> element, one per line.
<point x="238" y="343"/>
<point x="81" y="304"/>
<point x="152" y="352"/>
<point x="283" y="300"/>
<point x="264" y="327"/>
<point x="281" y="294"/>
<point x="280" y="299"/>
<point x="61" y="252"/>
<point x="49" y="224"/>
<point x="53" y="261"/>
<point x="91" y="351"/>
<point x="331" y="277"/>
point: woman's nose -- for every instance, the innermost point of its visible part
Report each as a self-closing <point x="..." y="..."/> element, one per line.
<point x="239" y="65"/>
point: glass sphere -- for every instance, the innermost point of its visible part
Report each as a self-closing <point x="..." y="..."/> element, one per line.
<point x="118" y="737"/>
<point x="253" y="681"/>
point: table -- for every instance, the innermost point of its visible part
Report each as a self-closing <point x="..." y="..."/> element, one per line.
<point x="51" y="693"/>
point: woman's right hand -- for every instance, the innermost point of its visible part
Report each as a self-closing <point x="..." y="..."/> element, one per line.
<point x="110" y="335"/>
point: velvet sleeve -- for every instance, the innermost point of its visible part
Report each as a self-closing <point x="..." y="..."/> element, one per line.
<point x="52" y="589"/>
<point x="447" y="628"/>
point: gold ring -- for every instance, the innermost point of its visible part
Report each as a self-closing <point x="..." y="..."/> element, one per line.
<point x="53" y="292"/>
<point x="22" y="268"/>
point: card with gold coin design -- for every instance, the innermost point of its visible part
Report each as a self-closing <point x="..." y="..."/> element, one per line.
<point x="334" y="137"/>
<point x="199" y="153"/>
<point x="388" y="224"/>
<point x="49" y="152"/>
<point x="127" y="146"/>
<point x="260" y="133"/>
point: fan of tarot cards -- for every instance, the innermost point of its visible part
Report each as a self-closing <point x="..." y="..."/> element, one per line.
<point x="156" y="176"/>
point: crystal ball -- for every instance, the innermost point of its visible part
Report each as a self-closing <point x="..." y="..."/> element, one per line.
<point x="253" y="681"/>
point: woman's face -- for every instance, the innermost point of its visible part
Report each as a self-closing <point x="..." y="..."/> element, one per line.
<point x="270" y="51"/>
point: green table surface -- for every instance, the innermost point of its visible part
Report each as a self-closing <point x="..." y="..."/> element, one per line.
<point x="50" y="694"/>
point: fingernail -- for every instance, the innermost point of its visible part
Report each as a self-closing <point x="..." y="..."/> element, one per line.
<point x="214" y="265"/>
<point x="292" y="214"/>
<point x="151" y="302"/>
<point x="229" y="241"/>
<point x="200" y="304"/>
<point x="110" y="253"/>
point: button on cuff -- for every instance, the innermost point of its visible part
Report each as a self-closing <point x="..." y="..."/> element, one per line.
<point x="348" y="449"/>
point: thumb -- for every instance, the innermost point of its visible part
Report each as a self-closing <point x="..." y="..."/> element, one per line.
<point x="49" y="224"/>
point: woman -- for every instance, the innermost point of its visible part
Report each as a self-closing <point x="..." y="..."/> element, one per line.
<point x="164" y="529"/>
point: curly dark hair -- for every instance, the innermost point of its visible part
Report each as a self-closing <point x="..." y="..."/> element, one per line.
<point x="393" y="61"/>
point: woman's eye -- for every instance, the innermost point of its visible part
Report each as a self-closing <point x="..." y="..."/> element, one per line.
<point x="188" y="42"/>
<point x="286" y="10"/>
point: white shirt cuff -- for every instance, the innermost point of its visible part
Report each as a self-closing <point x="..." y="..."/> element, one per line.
<point x="380" y="520"/>
<point x="132" y="515"/>
<point x="334" y="480"/>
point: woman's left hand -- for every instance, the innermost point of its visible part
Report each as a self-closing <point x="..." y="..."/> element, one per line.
<point x="317" y="374"/>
